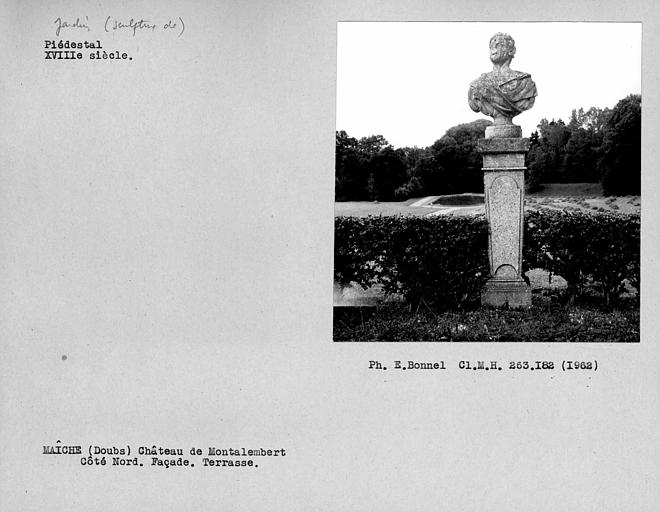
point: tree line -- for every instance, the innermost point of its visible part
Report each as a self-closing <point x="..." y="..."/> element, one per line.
<point x="596" y="145"/>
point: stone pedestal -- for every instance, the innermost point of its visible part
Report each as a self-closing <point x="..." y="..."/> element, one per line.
<point x="504" y="187"/>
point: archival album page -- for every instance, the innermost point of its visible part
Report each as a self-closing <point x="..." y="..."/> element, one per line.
<point x="329" y="256"/>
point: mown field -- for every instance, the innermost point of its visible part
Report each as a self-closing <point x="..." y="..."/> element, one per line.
<point x="565" y="196"/>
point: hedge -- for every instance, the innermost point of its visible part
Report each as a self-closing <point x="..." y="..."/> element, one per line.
<point x="444" y="260"/>
<point x="586" y="249"/>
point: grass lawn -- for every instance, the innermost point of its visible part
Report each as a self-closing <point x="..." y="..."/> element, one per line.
<point x="546" y="321"/>
<point x="560" y="196"/>
<point x="366" y="208"/>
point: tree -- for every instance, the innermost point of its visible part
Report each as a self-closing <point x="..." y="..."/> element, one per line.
<point x="372" y="144"/>
<point x="431" y="174"/>
<point x="354" y="173"/>
<point x="457" y="160"/>
<point x="583" y="147"/>
<point x="593" y="120"/>
<point x="536" y="166"/>
<point x="412" y="157"/>
<point x="581" y="153"/>
<point x="553" y="137"/>
<point x="350" y="173"/>
<point x="414" y="187"/>
<point x="621" y="162"/>
<point x="387" y="172"/>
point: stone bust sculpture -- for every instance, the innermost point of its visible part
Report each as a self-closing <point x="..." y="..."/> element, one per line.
<point x="503" y="93"/>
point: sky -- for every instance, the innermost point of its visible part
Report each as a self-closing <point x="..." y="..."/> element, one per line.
<point x="408" y="81"/>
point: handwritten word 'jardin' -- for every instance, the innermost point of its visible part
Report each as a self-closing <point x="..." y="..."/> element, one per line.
<point x="132" y="26"/>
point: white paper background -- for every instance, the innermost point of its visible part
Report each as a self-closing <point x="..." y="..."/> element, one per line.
<point x="167" y="224"/>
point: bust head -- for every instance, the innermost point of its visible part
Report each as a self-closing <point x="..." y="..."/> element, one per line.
<point x="503" y="93"/>
<point x="502" y="48"/>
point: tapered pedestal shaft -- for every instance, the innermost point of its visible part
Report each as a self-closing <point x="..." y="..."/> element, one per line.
<point x="504" y="188"/>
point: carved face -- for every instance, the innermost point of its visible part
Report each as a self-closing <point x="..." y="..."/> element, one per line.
<point x="501" y="50"/>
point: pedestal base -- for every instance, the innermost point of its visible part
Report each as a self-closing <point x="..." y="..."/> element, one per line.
<point x="514" y="293"/>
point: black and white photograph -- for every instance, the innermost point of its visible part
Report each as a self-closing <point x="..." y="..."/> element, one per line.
<point x="488" y="182"/>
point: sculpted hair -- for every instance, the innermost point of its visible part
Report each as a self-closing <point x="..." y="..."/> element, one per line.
<point x="509" y="43"/>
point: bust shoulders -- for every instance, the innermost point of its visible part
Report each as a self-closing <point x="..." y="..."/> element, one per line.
<point x="503" y="76"/>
